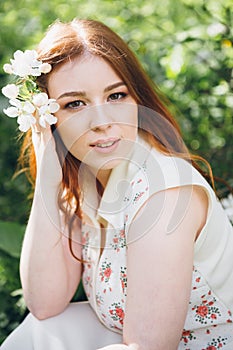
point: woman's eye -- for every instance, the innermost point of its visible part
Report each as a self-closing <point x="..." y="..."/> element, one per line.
<point x="74" y="104"/>
<point x="117" y="96"/>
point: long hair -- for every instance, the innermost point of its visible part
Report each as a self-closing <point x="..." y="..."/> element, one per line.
<point x="62" y="42"/>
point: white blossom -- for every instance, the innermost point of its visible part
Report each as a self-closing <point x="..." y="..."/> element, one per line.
<point x="45" y="112"/>
<point x="45" y="68"/>
<point x="28" y="104"/>
<point x="26" y="64"/>
<point x="40" y="99"/>
<point x="8" y="68"/>
<point x="25" y="122"/>
<point x="11" y="112"/>
<point x="47" y="117"/>
<point x="10" y="91"/>
<point x="23" y="111"/>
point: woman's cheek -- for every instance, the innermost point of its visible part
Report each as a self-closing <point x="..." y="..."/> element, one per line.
<point x="71" y="129"/>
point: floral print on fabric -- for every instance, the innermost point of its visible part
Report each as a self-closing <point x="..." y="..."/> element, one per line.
<point x="117" y="313"/>
<point x="105" y="276"/>
<point x="208" y="324"/>
<point x="208" y="321"/>
<point x="119" y="240"/>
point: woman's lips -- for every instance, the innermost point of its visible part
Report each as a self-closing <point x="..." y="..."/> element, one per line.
<point x="105" y="146"/>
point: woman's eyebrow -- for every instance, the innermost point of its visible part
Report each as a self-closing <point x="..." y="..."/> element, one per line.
<point x="72" y="93"/>
<point x="114" y="86"/>
<point x="83" y="93"/>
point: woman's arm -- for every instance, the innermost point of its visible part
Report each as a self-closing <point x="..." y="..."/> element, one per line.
<point x="160" y="264"/>
<point x="49" y="274"/>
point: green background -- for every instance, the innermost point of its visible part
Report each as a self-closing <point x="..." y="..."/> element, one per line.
<point x="186" y="46"/>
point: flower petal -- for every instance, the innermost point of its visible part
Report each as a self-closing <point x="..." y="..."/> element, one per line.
<point x="24" y="127"/>
<point x="53" y="107"/>
<point x="28" y="107"/>
<point x="25" y="122"/>
<point x="26" y="63"/>
<point x="16" y="103"/>
<point x="8" y="68"/>
<point x="18" y="54"/>
<point x="40" y="99"/>
<point x="42" y="121"/>
<point x="50" y="119"/>
<point x="10" y="91"/>
<point x="45" y="68"/>
<point x="11" y="112"/>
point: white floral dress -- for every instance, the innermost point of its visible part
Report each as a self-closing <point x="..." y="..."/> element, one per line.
<point x="209" y="319"/>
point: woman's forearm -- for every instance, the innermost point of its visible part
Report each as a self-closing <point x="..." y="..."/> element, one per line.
<point x="49" y="274"/>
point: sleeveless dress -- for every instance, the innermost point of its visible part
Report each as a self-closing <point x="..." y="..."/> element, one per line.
<point x="208" y="324"/>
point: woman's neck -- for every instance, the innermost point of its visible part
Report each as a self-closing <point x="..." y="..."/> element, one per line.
<point x="103" y="176"/>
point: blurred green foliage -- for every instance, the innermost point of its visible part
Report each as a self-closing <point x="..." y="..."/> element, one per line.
<point x="186" y="46"/>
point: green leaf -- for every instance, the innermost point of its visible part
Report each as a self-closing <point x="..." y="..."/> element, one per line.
<point x="30" y="85"/>
<point x="11" y="236"/>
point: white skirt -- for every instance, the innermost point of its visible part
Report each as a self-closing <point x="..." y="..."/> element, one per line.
<point x="77" y="328"/>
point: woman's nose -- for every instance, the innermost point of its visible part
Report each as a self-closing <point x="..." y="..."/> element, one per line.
<point x="100" y="118"/>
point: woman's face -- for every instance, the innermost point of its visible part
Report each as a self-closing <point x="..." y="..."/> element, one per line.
<point x="97" y="119"/>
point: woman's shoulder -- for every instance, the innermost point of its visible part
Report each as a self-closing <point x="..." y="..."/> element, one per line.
<point x="165" y="171"/>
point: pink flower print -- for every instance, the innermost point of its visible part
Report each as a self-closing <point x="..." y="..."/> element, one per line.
<point x="120" y="313"/>
<point x="119" y="240"/>
<point x="186" y="333"/>
<point x="187" y="336"/>
<point x="107" y="272"/>
<point x="85" y="238"/>
<point x="85" y="243"/>
<point x="99" y="300"/>
<point x="122" y="233"/>
<point x="117" y="313"/>
<point x="123" y="278"/>
<point x="216" y="343"/>
<point x="213" y="316"/>
<point x="202" y="311"/>
<point x="205" y="312"/>
<point x="138" y="195"/>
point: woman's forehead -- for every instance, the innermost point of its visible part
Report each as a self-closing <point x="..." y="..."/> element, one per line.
<point x="82" y="73"/>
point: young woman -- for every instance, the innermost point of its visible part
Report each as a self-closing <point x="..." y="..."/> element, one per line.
<point x="119" y="202"/>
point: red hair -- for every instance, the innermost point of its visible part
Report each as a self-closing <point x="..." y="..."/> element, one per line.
<point x="64" y="41"/>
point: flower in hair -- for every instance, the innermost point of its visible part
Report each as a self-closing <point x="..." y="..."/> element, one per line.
<point x="27" y="103"/>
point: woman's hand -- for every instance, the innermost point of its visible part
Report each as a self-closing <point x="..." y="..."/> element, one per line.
<point x="121" y="347"/>
<point x="49" y="170"/>
<point x="47" y="267"/>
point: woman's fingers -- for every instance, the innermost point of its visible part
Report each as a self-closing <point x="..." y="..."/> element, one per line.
<point x="48" y="165"/>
